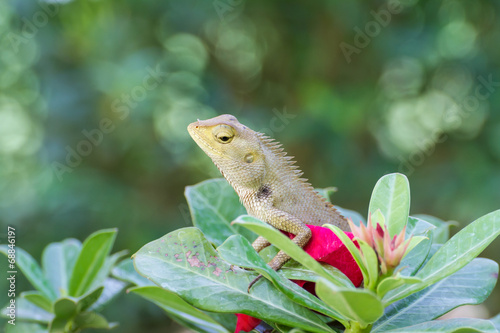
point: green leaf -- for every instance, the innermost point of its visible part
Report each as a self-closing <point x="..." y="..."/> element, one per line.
<point x="284" y="243"/>
<point x="22" y="327"/>
<point x="58" y="325"/>
<point x="458" y="325"/>
<point x="496" y="322"/>
<point x="370" y="261"/>
<point x="356" y="254"/>
<point x="112" y="288"/>
<point x="185" y="263"/>
<point x="414" y="241"/>
<point x="295" y="271"/>
<point x="392" y="196"/>
<point x="179" y="309"/>
<point x="285" y="329"/>
<point x="415" y="257"/>
<point x="58" y="260"/>
<point x="38" y="299"/>
<point x="28" y="311"/>
<point x="238" y="251"/>
<point x="91" y="320"/>
<point x="454" y="254"/>
<point x="32" y="271"/>
<point x="442" y="231"/>
<point x="106" y="269"/>
<point x="125" y="271"/>
<point x="327" y="192"/>
<point x="64" y="308"/>
<point x="214" y="205"/>
<point x="393" y="282"/>
<point x="378" y="218"/>
<point x="356" y="217"/>
<point x="87" y="300"/>
<point x="91" y="259"/>
<point x="451" y="293"/>
<point x="360" y="305"/>
<point x="226" y="320"/>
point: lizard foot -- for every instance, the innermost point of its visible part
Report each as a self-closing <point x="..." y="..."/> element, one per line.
<point x="253" y="282"/>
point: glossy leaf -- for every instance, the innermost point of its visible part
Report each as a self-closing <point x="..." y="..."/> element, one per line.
<point x="179" y="309"/>
<point x="393" y="282"/>
<point x="58" y="260"/>
<point x="378" y="218"/>
<point x="125" y="271"/>
<point x="470" y="285"/>
<point x="496" y="322"/>
<point x="185" y="263"/>
<point x="454" y="254"/>
<point x="360" y="305"/>
<point x="112" y="288"/>
<point x="356" y="217"/>
<point x="106" y="269"/>
<point x="91" y="320"/>
<point x="38" y="299"/>
<point x="295" y="271"/>
<point x="458" y="325"/>
<point x="64" y="308"/>
<point x="87" y="300"/>
<point x="214" y="205"/>
<point x="391" y="195"/>
<point x="32" y="271"/>
<point x="281" y="241"/>
<point x="91" y="259"/>
<point x="442" y="231"/>
<point x="370" y="261"/>
<point x="356" y="254"/>
<point x="415" y="257"/>
<point x="238" y="251"/>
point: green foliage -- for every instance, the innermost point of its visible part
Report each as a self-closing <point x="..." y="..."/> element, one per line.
<point x="407" y="101"/>
<point x="185" y="263"/>
<point x="179" y="309"/>
<point x="214" y="205"/>
<point x="194" y="275"/>
<point x="391" y="198"/>
<point x="72" y="286"/>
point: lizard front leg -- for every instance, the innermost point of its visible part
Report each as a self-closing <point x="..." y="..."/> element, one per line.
<point x="285" y="222"/>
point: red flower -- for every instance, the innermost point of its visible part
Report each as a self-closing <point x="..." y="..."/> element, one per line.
<point x="325" y="247"/>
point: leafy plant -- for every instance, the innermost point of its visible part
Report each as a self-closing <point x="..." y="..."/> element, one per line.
<point x="72" y="285"/>
<point x="400" y="285"/>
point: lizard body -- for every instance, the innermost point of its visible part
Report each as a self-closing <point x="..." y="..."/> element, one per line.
<point x="266" y="180"/>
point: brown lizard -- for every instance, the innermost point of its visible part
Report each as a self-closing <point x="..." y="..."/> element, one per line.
<point x="266" y="180"/>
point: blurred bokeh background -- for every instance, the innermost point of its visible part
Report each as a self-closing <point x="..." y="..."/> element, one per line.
<point x="95" y="97"/>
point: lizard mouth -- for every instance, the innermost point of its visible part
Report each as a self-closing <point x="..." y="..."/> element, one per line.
<point x="199" y="139"/>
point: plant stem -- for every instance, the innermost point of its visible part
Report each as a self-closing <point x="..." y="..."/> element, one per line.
<point x="357" y="328"/>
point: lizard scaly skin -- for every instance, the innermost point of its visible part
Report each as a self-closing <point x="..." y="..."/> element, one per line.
<point x="266" y="180"/>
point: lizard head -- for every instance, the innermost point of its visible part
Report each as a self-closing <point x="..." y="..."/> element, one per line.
<point x="234" y="148"/>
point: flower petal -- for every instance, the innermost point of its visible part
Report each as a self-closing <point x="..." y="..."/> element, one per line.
<point x="246" y="323"/>
<point x="326" y="247"/>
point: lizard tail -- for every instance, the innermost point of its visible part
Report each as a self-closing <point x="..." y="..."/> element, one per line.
<point x="253" y="282"/>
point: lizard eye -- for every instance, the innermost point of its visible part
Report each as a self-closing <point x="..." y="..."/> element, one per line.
<point x="223" y="133"/>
